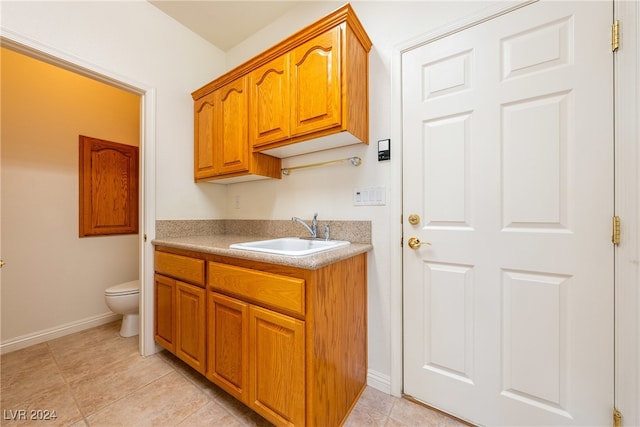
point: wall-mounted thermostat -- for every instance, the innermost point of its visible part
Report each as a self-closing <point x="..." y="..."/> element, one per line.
<point x="384" y="149"/>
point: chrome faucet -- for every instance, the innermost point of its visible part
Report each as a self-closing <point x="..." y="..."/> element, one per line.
<point x="314" y="225"/>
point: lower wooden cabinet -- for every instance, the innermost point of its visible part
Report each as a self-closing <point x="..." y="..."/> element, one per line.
<point x="164" y="307"/>
<point x="191" y="325"/>
<point x="276" y="366"/>
<point x="228" y="345"/>
<point x="257" y="356"/>
<point x="180" y="320"/>
<point x="289" y="343"/>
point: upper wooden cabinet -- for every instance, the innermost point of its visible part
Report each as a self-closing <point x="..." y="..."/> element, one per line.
<point x="316" y="84"/>
<point x="230" y="128"/>
<point x="270" y="103"/>
<point x="308" y="93"/>
<point x="221" y="131"/>
<point x="204" y="113"/>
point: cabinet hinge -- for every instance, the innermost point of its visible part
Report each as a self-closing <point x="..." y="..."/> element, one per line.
<point x="615" y="36"/>
<point x="615" y="234"/>
<point x="617" y="418"/>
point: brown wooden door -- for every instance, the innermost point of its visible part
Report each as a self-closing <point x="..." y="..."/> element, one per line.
<point x="269" y="106"/>
<point x="316" y="84"/>
<point x="277" y="369"/>
<point x="204" y="119"/>
<point x="190" y="325"/>
<point x="231" y="148"/>
<point x="228" y="345"/>
<point x="164" y="300"/>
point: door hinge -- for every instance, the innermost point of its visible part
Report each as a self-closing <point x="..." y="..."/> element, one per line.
<point x="615" y="36"/>
<point x="617" y="418"/>
<point x="402" y="242"/>
<point x="615" y="235"/>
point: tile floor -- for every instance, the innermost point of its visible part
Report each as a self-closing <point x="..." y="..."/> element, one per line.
<point x="97" y="378"/>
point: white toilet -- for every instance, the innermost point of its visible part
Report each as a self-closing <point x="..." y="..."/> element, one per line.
<point x="124" y="299"/>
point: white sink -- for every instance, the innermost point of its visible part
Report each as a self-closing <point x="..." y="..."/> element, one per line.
<point x="292" y="246"/>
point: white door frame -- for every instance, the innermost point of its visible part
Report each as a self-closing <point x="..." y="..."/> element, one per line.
<point x="627" y="198"/>
<point x="627" y="178"/>
<point x="51" y="55"/>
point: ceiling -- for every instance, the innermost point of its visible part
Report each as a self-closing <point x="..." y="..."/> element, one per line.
<point x="224" y="23"/>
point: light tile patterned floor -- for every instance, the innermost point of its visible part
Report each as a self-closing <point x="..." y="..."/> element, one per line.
<point x="97" y="378"/>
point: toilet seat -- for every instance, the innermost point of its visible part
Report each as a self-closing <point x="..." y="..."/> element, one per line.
<point x="127" y="288"/>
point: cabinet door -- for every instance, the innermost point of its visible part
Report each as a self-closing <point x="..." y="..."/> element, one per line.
<point x="228" y="345"/>
<point x="316" y="84"/>
<point x="190" y="325"/>
<point x="164" y="299"/>
<point x="277" y="369"/>
<point x="231" y="145"/>
<point x="203" y="125"/>
<point x="269" y="107"/>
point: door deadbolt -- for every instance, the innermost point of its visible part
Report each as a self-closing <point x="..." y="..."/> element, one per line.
<point x="414" y="219"/>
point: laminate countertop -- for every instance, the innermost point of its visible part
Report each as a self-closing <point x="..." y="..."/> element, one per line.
<point x="219" y="245"/>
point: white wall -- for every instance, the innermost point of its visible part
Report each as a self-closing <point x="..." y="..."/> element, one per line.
<point x="140" y="44"/>
<point x="328" y="190"/>
<point x="137" y="41"/>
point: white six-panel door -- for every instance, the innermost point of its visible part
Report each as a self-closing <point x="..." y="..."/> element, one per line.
<point x="508" y="161"/>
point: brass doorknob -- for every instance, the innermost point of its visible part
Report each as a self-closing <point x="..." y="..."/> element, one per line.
<point x="415" y="243"/>
<point x="414" y="219"/>
<point x="1" y="263"/>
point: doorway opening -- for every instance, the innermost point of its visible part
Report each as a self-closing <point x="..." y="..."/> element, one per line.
<point x="84" y="307"/>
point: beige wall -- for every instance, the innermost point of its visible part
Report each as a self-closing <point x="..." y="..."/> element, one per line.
<point x="53" y="278"/>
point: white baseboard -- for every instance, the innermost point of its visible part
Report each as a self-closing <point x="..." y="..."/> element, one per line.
<point x="57" y="332"/>
<point x="379" y="381"/>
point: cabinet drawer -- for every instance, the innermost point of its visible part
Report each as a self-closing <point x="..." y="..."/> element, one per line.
<point x="180" y="267"/>
<point x="273" y="290"/>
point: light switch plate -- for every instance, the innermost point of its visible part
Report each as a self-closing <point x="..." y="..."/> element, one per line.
<point x="369" y="196"/>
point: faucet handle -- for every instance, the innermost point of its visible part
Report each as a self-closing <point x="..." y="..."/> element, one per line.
<point x="326" y="231"/>
<point x="314" y="225"/>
